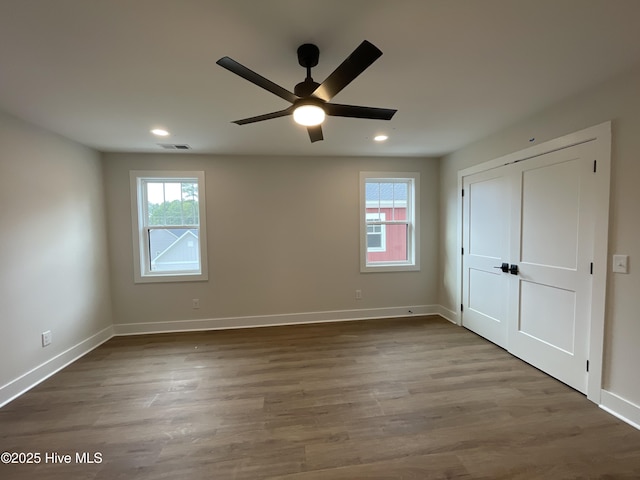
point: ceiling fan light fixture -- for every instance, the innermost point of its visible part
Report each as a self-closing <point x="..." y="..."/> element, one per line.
<point x="308" y="115"/>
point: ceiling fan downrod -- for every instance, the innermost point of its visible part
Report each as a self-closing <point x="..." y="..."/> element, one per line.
<point x="308" y="56"/>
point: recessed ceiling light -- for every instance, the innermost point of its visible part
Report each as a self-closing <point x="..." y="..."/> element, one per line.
<point x="160" y="132"/>
<point x="380" y="138"/>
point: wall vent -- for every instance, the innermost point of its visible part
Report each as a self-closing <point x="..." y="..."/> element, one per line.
<point x="174" y="146"/>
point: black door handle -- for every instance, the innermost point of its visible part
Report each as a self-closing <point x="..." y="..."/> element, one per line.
<point x="513" y="269"/>
<point x="504" y="267"/>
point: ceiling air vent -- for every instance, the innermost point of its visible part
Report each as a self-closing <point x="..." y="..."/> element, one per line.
<point x="173" y="146"/>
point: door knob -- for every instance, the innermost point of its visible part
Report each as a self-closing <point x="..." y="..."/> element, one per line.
<point x="504" y="267"/>
<point x="513" y="269"/>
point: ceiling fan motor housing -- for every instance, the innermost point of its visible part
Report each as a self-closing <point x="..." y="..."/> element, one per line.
<point x="306" y="88"/>
<point x="308" y="55"/>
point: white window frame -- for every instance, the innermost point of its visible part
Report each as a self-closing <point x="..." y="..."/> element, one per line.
<point x="141" y="255"/>
<point x="413" y="222"/>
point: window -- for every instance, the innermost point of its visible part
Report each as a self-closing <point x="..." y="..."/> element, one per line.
<point x="389" y="221"/>
<point x="376" y="233"/>
<point x="169" y="226"/>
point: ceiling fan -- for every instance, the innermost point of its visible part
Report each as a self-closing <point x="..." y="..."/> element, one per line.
<point x="310" y="101"/>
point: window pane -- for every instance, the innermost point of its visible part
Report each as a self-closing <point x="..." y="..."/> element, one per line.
<point x="174" y="249"/>
<point x="155" y="192"/>
<point x="400" y="200"/>
<point x="388" y="196"/>
<point x="372" y="192"/>
<point x="386" y="192"/>
<point x="172" y="203"/>
<point x="374" y="241"/>
<point x="190" y="203"/>
<point x="395" y="245"/>
<point x="400" y="191"/>
<point x="172" y="191"/>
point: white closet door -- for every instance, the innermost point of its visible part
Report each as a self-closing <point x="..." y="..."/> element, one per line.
<point x="551" y="243"/>
<point x="536" y="215"/>
<point x="485" y="243"/>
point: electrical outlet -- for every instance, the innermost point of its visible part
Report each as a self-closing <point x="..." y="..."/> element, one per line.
<point x="46" y="338"/>
<point x="195" y="303"/>
<point x="358" y="294"/>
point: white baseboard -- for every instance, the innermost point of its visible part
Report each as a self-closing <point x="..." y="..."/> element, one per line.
<point x="273" y="320"/>
<point x="619" y="407"/>
<point x="27" y="381"/>
<point x="448" y="314"/>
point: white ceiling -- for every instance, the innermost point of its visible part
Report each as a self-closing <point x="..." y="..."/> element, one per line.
<point x="104" y="72"/>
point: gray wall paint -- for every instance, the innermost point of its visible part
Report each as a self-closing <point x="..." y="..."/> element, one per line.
<point x="615" y="100"/>
<point x="283" y="237"/>
<point x="53" y="252"/>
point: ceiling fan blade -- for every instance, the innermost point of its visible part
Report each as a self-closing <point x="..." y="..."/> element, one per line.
<point x="256" y="79"/>
<point x="337" y="110"/>
<point x="356" y="63"/>
<point x="266" y="116"/>
<point x="315" y="133"/>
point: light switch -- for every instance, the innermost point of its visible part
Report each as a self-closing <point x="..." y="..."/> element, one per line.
<point x="621" y="263"/>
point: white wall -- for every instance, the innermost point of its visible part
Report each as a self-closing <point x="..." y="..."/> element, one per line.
<point x="617" y="100"/>
<point x="53" y="253"/>
<point x="283" y="238"/>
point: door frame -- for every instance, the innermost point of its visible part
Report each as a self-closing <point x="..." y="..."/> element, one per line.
<point x="600" y="135"/>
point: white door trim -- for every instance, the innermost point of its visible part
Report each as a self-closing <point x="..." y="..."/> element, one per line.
<point x="600" y="135"/>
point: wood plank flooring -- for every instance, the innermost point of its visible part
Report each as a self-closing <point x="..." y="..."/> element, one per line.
<point x="411" y="398"/>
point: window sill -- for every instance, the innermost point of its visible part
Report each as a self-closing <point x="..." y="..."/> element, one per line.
<point x="389" y="268"/>
<point x="171" y="278"/>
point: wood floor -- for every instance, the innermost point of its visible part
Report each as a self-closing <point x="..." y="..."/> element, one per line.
<point x="391" y="399"/>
